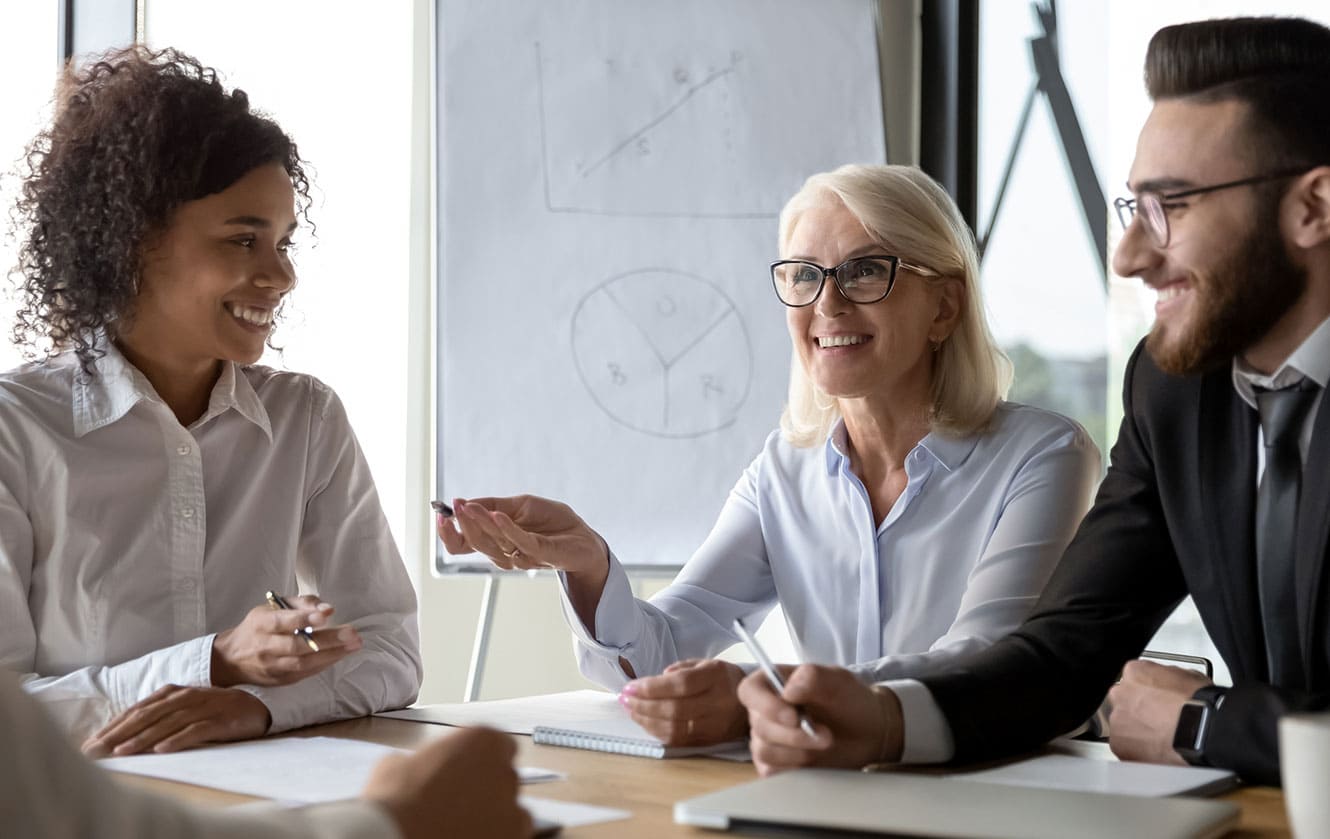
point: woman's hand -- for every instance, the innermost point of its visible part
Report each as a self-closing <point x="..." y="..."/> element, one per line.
<point x="693" y="703"/>
<point x="264" y="648"/>
<point x="524" y="531"/>
<point x="175" y="718"/>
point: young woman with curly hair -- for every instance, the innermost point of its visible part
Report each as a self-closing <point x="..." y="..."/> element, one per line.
<point x="155" y="481"/>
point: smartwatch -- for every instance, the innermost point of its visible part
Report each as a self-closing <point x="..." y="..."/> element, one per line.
<point x="1194" y="724"/>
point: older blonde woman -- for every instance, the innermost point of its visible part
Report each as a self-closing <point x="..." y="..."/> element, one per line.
<point x="904" y="515"/>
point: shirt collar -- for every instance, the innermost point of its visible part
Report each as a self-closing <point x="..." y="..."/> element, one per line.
<point x="1311" y="360"/>
<point x="118" y="386"/>
<point x="233" y="390"/>
<point x="948" y="451"/>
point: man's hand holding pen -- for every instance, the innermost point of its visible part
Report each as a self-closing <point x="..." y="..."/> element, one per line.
<point x="267" y="647"/>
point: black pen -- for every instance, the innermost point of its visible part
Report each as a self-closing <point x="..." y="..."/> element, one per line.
<point x="276" y="601"/>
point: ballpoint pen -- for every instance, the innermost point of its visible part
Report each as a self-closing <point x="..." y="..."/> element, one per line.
<point x="276" y="601"/>
<point x="768" y="668"/>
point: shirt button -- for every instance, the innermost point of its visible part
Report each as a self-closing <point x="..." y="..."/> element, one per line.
<point x="185" y="585"/>
<point x="183" y="449"/>
<point x="188" y="512"/>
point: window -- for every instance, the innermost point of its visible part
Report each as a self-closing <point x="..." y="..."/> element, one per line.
<point x="1044" y="281"/>
<point x="337" y="77"/>
<point x="29" y="60"/>
<point x="1066" y="321"/>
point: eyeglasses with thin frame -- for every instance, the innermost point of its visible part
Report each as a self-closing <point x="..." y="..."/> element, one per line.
<point x="863" y="280"/>
<point x="1155" y="206"/>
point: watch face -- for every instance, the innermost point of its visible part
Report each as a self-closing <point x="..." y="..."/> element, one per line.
<point x="1190" y="734"/>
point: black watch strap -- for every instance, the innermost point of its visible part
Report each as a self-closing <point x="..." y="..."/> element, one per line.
<point x="1194" y="723"/>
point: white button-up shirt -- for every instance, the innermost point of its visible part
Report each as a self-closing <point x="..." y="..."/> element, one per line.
<point x="128" y="541"/>
<point x="957" y="562"/>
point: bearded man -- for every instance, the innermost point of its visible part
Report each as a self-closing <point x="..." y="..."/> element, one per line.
<point x="1218" y="484"/>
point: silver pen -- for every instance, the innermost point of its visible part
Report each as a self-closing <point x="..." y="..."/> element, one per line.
<point x="276" y="601"/>
<point x="768" y="668"/>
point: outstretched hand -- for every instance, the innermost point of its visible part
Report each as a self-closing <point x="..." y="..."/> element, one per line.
<point x="524" y="532"/>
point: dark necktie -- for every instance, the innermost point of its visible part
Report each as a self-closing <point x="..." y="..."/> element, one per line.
<point x="1282" y="415"/>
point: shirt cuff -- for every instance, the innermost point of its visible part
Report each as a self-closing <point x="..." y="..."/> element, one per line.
<point x="616" y="616"/>
<point x="289" y="705"/>
<point x="926" y="735"/>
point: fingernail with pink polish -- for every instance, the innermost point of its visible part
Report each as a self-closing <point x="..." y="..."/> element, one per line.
<point x="629" y="689"/>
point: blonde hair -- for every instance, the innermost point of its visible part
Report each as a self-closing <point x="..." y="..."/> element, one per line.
<point x="911" y="216"/>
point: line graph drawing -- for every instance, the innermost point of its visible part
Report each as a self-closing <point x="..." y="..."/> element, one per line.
<point x="637" y="135"/>
<point x="660" y="144"/>
<point x="663" y="352"/>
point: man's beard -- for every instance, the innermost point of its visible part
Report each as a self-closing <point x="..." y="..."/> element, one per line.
<point x="1236" y="304"/>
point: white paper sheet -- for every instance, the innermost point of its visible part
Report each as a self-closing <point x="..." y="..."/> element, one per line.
<point x="302" y="770"/>
<point x="610" y="174"/>
<point x="521" y="715"/>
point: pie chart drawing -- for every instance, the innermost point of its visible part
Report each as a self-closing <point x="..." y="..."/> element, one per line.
<point x="663" y="352"/>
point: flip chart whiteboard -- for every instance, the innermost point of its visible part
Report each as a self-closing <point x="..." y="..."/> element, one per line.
<point x="610" y="175"/>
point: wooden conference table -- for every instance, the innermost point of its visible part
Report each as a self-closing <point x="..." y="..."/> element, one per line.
<point x="647" y="788"/>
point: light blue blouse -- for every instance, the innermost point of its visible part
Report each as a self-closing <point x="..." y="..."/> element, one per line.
<point x="956" y="564"/>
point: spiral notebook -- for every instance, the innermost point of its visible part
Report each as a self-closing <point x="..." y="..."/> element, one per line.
<point x="625" y="737"/>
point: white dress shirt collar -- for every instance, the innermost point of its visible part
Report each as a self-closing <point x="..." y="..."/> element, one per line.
<point x="1310" y="360"/>
<point x="948" y="451"/>
<point x="118" y="386"/>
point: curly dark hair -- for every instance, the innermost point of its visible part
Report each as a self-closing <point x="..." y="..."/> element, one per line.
<point x="136" y="134"/>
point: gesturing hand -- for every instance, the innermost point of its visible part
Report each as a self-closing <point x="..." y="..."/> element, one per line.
<point x="524" y="531"/>
<point x="464" y="780"/>
<point x="175" y="718"/>
<point x="264" y="649"/>
<point x="693" y="703"/>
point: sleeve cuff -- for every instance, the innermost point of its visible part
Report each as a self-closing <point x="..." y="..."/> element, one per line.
<point x="284" y="707"/>
<point x="616" y="614"/>
<point x="926" y="735"/>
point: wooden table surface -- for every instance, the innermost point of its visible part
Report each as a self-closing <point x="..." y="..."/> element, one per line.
<point x="647" y="788"/>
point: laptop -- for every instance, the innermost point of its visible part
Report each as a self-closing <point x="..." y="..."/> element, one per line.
<point x="913" y="805"/>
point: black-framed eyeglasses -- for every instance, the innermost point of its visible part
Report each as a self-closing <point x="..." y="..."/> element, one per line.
<point x="864" y="279"/>
<point x="1155" y="206"/>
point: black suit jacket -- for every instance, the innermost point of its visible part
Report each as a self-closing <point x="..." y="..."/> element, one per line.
<point x="1173" y="516"/>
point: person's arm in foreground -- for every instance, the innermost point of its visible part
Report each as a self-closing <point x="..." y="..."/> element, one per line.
<point x="461" y="785"/>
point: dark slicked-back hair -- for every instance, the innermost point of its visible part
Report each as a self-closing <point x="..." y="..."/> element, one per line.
<point x="1278" y="66"/>
<point x="135" y="135"/>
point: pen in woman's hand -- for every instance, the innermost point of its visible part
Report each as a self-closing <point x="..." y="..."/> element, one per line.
<point x="276" y="601"/>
